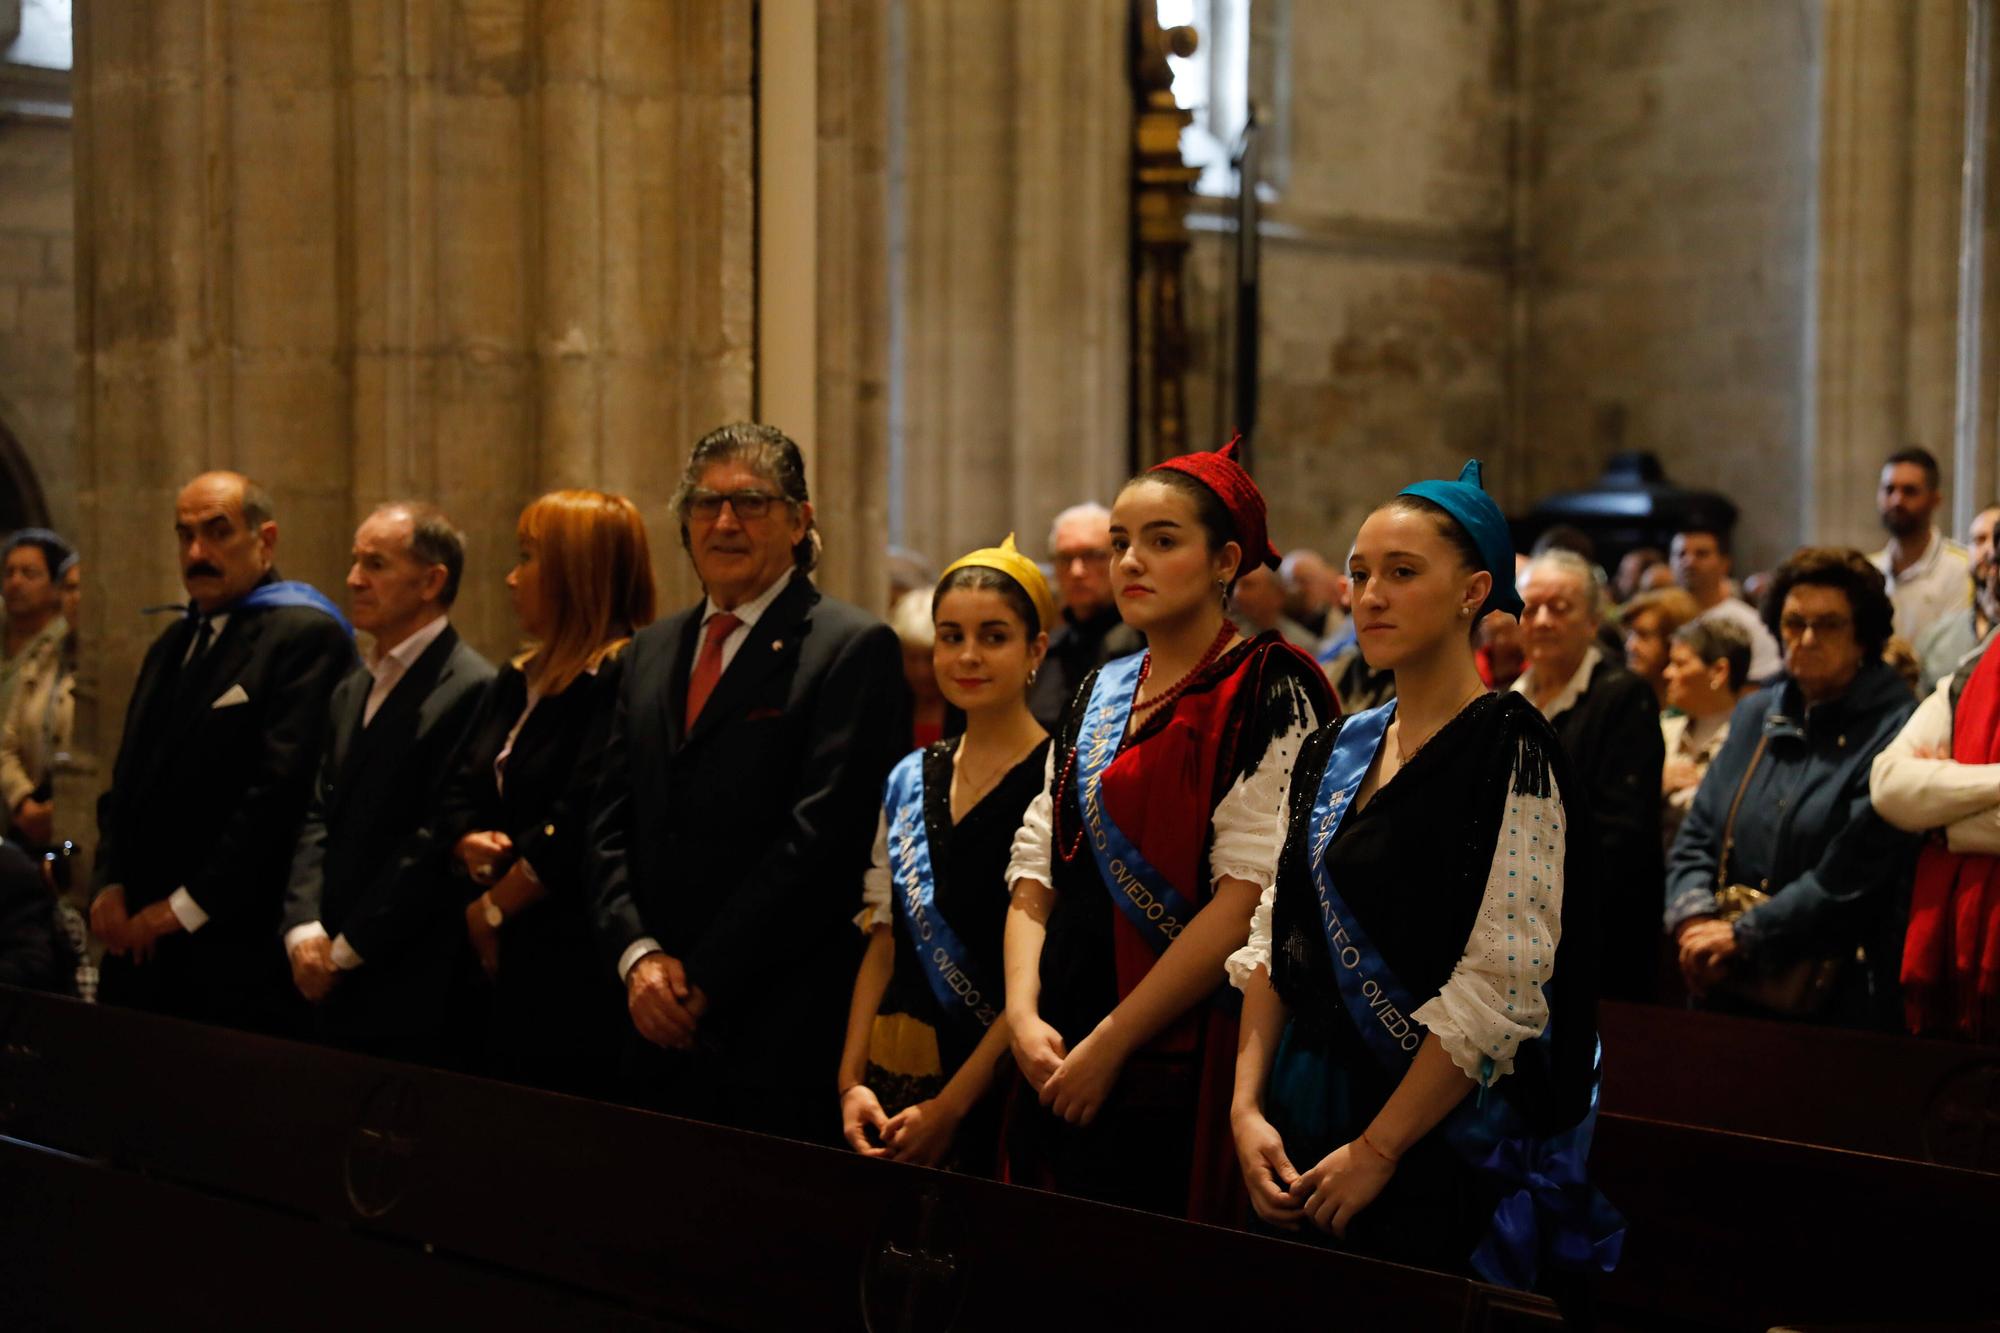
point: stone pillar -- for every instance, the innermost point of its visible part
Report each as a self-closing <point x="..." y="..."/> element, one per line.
<point x="851" y="391"/>
<point x="1016" y="269"/>
<point x="1891" y="113"/>
<point x="464" y="250"/>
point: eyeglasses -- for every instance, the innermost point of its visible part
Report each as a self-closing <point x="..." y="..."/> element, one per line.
<point x="1096" y="555"/>
<point x="749" y="506"/>
<point x="1822" y="627"/>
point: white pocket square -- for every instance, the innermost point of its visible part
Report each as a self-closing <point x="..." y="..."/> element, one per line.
<point x="231" y="697"/>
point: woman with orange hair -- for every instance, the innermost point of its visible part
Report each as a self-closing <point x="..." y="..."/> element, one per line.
<point x="582" y="584"/>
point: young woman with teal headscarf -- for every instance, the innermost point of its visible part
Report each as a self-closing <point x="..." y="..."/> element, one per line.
<point x="1416" y="1076"/>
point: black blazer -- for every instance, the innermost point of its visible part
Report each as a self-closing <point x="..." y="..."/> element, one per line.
<point x="375" y="786"/>
<point x="557" y="1015"/>
<point x="208" y="791"/>
<point x="1612" y="737"/>
<point x="740" y="845"/>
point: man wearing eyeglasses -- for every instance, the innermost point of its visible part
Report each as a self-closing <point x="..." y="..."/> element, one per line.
<point x="1091" y="633"/>
<point x="736" y="806"/>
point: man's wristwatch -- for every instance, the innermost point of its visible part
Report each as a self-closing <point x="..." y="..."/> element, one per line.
<point x="494" y="916"/>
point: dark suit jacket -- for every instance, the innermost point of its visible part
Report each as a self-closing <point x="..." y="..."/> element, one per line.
<point x="211" y="798"/>
<point x="557" y="1015"/>
<point x="375" y="787"/>
<point x="1612" y="737"/>
<point x="740" y="845"/>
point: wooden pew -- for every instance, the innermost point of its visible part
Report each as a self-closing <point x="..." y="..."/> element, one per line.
<point x="665" y="1221"/>
<point x="1927" y="1101"/>
<point x="90" y="1248"/>
<point x="1734" y="1231"/>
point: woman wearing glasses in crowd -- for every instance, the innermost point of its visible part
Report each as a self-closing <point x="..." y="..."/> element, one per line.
<point x="1783" y="868"/>
<point x="1135" y="871"/>
<point x="926" y="1035"/>
<point x="583" y="583"/>
<point x="1416" y="1074"/>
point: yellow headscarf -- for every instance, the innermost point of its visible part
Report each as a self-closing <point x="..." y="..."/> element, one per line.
<point x="1007" y="558"/>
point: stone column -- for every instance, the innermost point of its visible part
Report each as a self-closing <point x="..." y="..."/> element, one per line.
<point x="464" y="250"/>
<point x="1891" y="112"/>
<point x="851" y="394"/>
<point x="1016" y="270"/>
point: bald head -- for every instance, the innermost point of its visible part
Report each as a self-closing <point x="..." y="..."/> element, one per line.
<point x="227" y="537"/>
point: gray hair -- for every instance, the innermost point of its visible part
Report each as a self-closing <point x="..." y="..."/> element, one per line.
<point x="433" y="540"/>
<point x="1714" y="639"/>
<point x="1088" y="509"/>
<point x="768" y="452"/>
<point x="1586" y="574"/>
<point x="258" y="508"/>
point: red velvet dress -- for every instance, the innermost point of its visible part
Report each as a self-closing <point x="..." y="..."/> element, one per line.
<point x="1162" y="1140"/>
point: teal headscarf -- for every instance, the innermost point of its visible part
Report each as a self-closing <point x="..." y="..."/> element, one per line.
<point x="1473" y="509"/>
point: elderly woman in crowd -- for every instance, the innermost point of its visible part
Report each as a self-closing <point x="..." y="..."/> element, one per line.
<point x="1649" y="621"/>
<point x="1708" y="670"/>
<point x="1782" y="869"/>
<point x="1609" y="724"/>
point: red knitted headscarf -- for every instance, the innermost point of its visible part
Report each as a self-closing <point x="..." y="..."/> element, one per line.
<point x="1222" y="474"/>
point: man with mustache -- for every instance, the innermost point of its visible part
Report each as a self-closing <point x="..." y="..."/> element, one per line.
<point x="1928" y="575"/>
<point x="736" y="804"/>
<point x="213" y="773"/>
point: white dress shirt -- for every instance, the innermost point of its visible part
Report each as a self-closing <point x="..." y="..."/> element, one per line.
<point x="1937" y="585"/>
<point x="1572" y="689"/>
<point x="749" y="613"/>
<point x="390" y="667"/>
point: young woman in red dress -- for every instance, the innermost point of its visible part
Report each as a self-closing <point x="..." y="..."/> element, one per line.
<point x="1135" y="872"/>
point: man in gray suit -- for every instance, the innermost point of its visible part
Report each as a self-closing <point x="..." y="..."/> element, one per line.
<point x="371" y="931"/>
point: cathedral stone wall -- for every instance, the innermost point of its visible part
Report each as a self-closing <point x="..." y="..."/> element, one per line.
<point x="1669" y="190"/>
<point x="38" y="305"/>
<point x="1385" y="275"/>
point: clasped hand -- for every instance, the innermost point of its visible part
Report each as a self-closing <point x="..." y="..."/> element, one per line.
<point x="485" y="854"/>
<point x="135" y="937"/>
<point x="313" y="971"/>
<point x="664" y="1005"/>
<point x="921" y="1134"/>
<point x="1081" y="1083"/>
<point x="1346" y="1181"/>
<point x="1707" y="949"/>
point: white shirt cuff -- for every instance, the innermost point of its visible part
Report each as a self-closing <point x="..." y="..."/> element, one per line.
<point x="297" y="935"/>
<point x="638" y="949"/>
<point x="187" y="911"/>
<point x="344" y="957"/>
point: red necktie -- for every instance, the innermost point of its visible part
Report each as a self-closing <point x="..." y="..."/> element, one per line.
<point x="708" y="667"/>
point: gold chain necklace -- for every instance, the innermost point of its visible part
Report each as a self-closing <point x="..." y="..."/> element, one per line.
<point x="969" y="799"/>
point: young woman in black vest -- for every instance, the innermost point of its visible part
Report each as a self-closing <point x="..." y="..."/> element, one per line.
<point x="927" y="1050"/>
<point x="1419" y="1025"/>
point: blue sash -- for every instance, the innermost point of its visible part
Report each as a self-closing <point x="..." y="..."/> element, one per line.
<point x="1142" y="893"/>
<point x="1547" y="1200"/>
<point x="284" y="592"/>
<point x="290" y="592"/>
<point x="937" y="946"/>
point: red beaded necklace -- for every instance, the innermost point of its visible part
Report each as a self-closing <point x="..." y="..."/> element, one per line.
<point x="1178" y="688"/>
